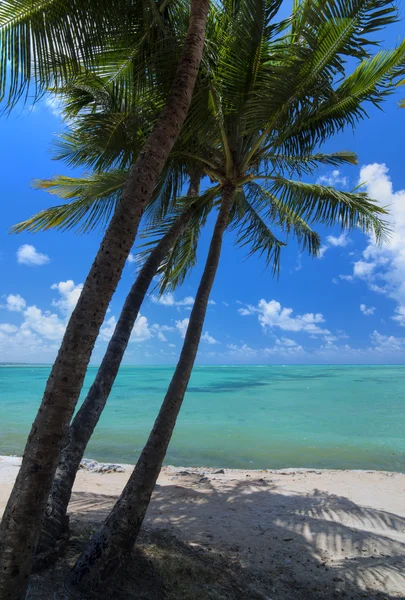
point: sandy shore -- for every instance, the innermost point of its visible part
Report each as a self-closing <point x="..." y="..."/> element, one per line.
<point x="337" y="532"/>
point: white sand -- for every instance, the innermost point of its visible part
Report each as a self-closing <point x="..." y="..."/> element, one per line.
<point x="335" y="531"/>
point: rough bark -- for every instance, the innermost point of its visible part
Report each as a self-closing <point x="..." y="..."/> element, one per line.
<point x="22" y="520"/>
<point x="112" y="544"/>
<point x="55" y="527"/>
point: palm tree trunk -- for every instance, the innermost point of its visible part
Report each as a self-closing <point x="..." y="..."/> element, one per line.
<point x="21" y="525"/>
<point x="55" y="527"/>
<point x="111" y="545"/>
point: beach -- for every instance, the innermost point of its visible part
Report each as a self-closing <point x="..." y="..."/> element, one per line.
<point x="303" y="533"/>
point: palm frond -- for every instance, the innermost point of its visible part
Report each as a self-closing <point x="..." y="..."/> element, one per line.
<point x="44" y="43"/>
<point x="252" y="232"/>
<point x="371" y="82"/>
<point x="183" y="255"/>
<point x="328" y="206"/>
<point x="93" y="202"/>
<point x="302" y="164"/>
<point x="285" y="218"/>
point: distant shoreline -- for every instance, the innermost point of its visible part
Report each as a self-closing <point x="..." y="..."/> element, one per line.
<point x="171" y="365"/>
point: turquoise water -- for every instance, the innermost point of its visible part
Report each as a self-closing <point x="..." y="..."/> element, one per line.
<point x="242" y="416"/>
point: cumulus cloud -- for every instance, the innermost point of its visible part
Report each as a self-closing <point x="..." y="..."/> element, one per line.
<point x="69" y="293"/>
<point x="383" y="267"/>
<point x="367" y="310"/>
<point x="182" y="326"/>
<point x="206" y="337"/>
<point x="38" y="335"/>
<point x="40" y="329"/>
<point x="15" y="302"/>
<point x="283" y="348"/>
<point x="333" y="178"/>
<point x="29" y="255"/>
<point x="48" y="325"/>
<point x="272" y="315"/>
<point x="169" y="299"/>
<point x="8" y="328"/>
<point x="140" y="332"/>
<point x="333" y="241"/>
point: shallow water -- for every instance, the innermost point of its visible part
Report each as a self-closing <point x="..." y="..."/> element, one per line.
<point x="346" y="417"/>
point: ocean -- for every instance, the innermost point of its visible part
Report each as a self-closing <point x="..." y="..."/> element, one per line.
<point x="252" y="417"/>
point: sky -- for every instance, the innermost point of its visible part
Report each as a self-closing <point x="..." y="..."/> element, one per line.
<point x="347" y="306"/>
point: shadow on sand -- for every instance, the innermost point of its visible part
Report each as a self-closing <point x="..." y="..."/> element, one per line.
<point x="295" y="546"/>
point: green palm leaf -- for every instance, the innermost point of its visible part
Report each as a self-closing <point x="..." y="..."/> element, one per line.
<point x="252" y="231"/>
<point x="284" y="217"/>
<point x="93" y="201"/>
<point x="326" y="205"/>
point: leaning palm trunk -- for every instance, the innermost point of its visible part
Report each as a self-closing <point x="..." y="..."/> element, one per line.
<point x="21" y="524"/>
<point x="112" y="544"/>
<point x="55" y="527"/>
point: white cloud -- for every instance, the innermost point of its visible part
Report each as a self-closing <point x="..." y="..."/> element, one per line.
<point x="206" y="337"/>
<point x="140" y="331"/>
<point x="399" y="316"/>
<point x="367" y="310"/>
<point x="38" y="335"/>
<point x="69" y="296"/>
<point x="8" y="328"/>
<point x="15" y="302"/>
<point x="182" y="326"/>
<point x="225" y="303"/>
<point x="243" y="351"/>
<point x="284" y="341"/>
<point x="162" y="336"/>
<point x="55" y="105"/>
<point x="333" y="241"/>
<point x="363" y="269"/>
<point x="47" y="324"/>
<point x="383" y="267"/>
<point x="341" y="241"/>
<point x="387" y="344"/>
<point x="346" y="277"/>
<point x="272" y="314"/>
<point x="169" y="299"/>
<point x="283" y="348"/>
<point x="132" y="259"/>
<point x="333" y="178"/>
<point x="29" y="255"/>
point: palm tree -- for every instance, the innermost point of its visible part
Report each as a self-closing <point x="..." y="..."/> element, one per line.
<point x="21" y="523"/>
<point x="55" y="525"/>
<point x="273" y="94"/>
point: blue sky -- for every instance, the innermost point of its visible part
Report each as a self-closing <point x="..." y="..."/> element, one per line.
<point x="346" y="307"/>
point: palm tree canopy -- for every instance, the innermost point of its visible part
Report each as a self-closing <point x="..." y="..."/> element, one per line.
<point x="45" y="43"/>
<point x="268" y="95"/>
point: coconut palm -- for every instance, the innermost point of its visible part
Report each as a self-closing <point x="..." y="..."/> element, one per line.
<point x="290" y="201"/>
<point x="37" y="37"/>
<point x="92" y="201"/>
<point x="274" y="93"/>
<point x="55" y="525"/>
